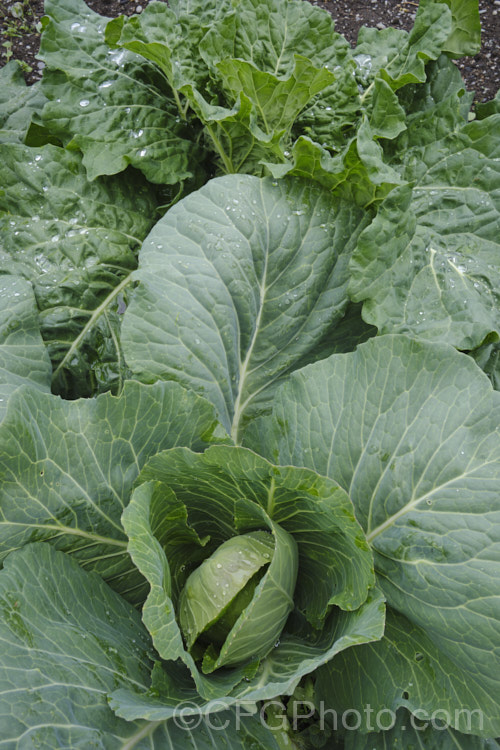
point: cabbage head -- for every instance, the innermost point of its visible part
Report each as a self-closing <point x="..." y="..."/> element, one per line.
<point x="258" y="574"/>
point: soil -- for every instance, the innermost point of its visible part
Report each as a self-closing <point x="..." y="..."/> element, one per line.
<point x="20" y="24"/>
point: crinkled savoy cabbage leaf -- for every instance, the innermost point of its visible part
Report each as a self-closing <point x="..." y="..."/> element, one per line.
<point x="432" y="109"/>
<point x="429" y="262"/>
<point x="383" y="62"/>
<point x="399" y="57"/>
<point x="23" y="356"/>
<point x="18" y="103"/>
<point x="109" y="103"/>
<point x="76" y="242"/>
<point x="170" y="36"/>
<point x="68" y="467"/>
<point x="265" y="78"/>
<point x="393" y="424"/>
<point x="67" y="641"/>
<point x="465" y="36"/>
<point x="240" y="282"/>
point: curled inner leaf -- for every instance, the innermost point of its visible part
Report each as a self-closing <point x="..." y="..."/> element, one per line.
<point x="219" y="590"/>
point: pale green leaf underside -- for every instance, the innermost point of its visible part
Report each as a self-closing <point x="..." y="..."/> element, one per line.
<point x="67" y="640"/>
<point x="23" y="357"/>
<point x="67" y="468"/>
<point x="410" y="430"/>
<point x="239" y="282"/>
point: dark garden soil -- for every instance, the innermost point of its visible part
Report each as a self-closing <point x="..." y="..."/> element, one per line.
<point x="19" y="38"/>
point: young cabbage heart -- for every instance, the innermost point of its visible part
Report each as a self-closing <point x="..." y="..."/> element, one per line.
<point x="258" y="575"/>
<point x="222" y="601"/>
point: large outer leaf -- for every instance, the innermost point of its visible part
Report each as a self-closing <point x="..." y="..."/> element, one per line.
<point x="400" y="58"/>
<point x="67" y="640"/>
<point x="170" y="36"/>
<point x="240" y="281"/>
<point x="23" y="357"/>
<point x="111" y="104"/>
<point x="76" y="242"/>
<point x="67" y="468"/>
<point x="410" y="430"/>
<point x="411" y="671"/>
<point x="192" y="503"/>
<point x="411" y="733"/>
<point x="429" y="262"/>
<point x="18" y="103"/>
<point x="465" y="35"/>
<point x="432" y="109"/>
<point x="270" y="34"/>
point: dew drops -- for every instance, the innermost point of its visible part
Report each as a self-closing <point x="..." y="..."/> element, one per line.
<point x="84" y="102"/>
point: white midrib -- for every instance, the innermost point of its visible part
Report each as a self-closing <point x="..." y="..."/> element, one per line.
<point x="91" y="322"/>
<point x="141" y="734"/>
<point x="69" y="530"/>
<point x="406" y="509"/>
<point x="238" y="406"/>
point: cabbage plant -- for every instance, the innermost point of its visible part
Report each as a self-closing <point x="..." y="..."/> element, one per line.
<point x="248" y="485"/>
<point x="238" y="593"/>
